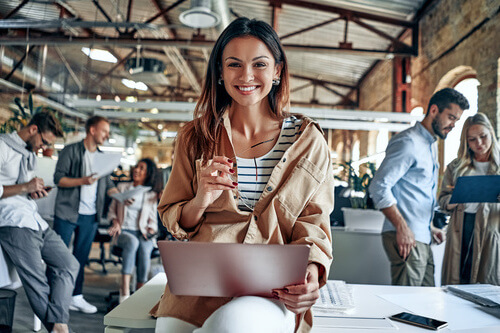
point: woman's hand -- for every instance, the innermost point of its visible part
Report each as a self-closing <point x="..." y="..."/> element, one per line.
<point x="300" y="298"/>
<point x="214" y="178"/>
<point x="451" y="206"/>
<point x="115" y="229"/>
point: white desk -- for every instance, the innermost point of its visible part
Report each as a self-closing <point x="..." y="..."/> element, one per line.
<point x="133" y="313"/>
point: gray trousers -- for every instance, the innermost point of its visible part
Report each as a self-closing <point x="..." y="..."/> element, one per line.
<point x="416" y="270"/>
<point x="26" y="248"/>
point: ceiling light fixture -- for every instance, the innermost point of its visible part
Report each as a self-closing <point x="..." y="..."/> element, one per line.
<point x="134" y="85"/>
<point x="200" y="15"/>
<point x="101" y="55"/>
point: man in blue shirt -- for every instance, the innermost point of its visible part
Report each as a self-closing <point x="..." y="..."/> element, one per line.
<point x="404" y="189"/>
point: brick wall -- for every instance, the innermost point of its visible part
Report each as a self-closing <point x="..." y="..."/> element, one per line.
<point x="453" y="33"/>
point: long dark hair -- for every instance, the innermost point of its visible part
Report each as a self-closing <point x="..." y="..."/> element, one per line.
<point x="150" y="172"/>
<point x="202" y="134"/>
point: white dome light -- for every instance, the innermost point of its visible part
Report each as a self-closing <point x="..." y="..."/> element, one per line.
<point x="200" y="15"/>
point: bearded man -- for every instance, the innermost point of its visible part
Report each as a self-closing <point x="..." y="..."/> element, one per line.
<point x="404" y="189"/>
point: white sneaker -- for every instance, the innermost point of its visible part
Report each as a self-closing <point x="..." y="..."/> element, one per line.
<point x="78" y="303"/>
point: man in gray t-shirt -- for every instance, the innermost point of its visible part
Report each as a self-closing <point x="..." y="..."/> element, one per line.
<point x="80" y="199"/>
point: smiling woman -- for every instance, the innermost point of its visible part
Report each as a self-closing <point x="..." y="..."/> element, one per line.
<point x="247" y="171"/>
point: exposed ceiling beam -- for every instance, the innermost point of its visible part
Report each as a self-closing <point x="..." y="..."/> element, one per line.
<point x="301" y="87"/>
<point x="321" y="81"/>
<point x="182" y="43"/>
<point x="57" y="106"/>
<point x="15" y="10"/>
<point x="345" y="100"/>
<point x="19" y="63"/>
<point x="154" y="17"/>
<point x="345" y="12"/>
<point x="309" y="28"/>
<point x="70" y="70"/>
<point x="327" y="118"/>
<point x="103" y="12"/>
<point x="398" y="45"/>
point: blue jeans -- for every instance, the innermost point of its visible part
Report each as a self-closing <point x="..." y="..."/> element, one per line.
<point x="136" y="250"/>
<point x="84" y="229"/>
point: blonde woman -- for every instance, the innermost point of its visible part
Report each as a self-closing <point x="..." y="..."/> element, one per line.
<point x="472" y="253"/>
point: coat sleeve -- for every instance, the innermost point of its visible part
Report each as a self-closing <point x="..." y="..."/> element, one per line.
<point x="447" y="186"/>
<point x="180" y="189"/>
<point x="312" y="226"/>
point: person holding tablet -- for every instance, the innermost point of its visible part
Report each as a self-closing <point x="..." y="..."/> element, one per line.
<point x="473" y="238"/>
<point x="247" y="171"/>
<point x="135" y="223"/>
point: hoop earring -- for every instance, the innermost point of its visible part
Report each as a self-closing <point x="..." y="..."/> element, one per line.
<point x="276" y="82"/>
<point x="220" y="81"/>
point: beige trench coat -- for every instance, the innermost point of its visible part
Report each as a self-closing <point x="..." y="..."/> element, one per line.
<point x="486" y="246"/>
<point x="294" y="209"/>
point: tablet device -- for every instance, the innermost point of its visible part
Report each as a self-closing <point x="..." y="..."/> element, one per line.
<point x="420" y="321"/>
<point x="231" y="270"/>
<point x="476" y="189"/>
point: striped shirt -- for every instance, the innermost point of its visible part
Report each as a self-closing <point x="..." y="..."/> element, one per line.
<point x="254" y="173"/>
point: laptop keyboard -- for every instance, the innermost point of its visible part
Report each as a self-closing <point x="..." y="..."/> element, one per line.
<point x="335" y="295"/>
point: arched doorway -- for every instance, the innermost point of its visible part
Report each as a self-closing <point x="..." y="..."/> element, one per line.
<point x="463" y="79"/>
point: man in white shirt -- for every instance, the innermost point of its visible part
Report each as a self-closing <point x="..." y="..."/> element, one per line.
<point x="80" y="199"/>
<point x="25" y="236"/>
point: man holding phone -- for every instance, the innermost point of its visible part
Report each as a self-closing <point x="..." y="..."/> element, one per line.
<point x="80" y="199"/>
<point x="25" y="237"/>
<point x="404" y="189"/>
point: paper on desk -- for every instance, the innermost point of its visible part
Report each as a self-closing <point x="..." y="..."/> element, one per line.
<point x="122" y="196"/>
<point x="459" y="313"/>
<point x="104" y="164"/>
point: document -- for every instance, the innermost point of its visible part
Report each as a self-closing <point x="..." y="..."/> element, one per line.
<point x="476" y="189"/>
<point x="104" y="164"/>
<point x="121" y="197"/>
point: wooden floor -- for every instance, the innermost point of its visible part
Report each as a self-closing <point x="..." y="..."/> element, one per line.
<point x="96" y="288"/>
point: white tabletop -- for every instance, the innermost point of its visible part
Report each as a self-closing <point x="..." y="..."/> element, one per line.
<point x="371" y="301"/>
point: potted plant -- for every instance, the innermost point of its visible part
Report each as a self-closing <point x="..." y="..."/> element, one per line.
<point x="21" y="118"/>
<point x="359" y="215"/>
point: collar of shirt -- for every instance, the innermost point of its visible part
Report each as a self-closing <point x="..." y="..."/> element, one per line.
<point x="425" y="133"/>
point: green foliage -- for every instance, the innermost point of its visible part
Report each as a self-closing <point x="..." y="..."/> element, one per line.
<point x="21" y="117"/>
<point x="357" y="184"/>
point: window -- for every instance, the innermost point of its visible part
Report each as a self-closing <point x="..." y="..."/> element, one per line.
<point x="468" y="88"/>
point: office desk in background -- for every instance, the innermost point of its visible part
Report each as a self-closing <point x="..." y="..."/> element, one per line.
<point x="359" y="258"/>
<point x="370" y="300"/>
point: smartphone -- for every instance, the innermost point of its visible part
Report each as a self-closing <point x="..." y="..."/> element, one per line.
<point x="47" y="188"/>
<point x="420" y="321"/>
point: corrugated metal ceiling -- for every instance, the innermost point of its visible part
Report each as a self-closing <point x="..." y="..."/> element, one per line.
<point x="335" y="66"/>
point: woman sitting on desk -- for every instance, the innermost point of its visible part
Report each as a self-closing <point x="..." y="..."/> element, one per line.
<point x="247" y="171"/>
<point x="472" y="251"/>
<point x="135" y="222"/>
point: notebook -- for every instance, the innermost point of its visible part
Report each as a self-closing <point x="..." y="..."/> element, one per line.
<point x="231" y="270"/>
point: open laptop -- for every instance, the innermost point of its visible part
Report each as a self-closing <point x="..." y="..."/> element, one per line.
<point x="230" y="270"/>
